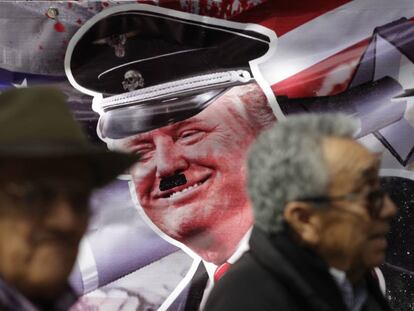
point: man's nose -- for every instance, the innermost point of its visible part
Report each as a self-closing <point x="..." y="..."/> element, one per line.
<point x="169" y="159"/>
<point x="389" y="210"/>
<point x="65" y="217"/>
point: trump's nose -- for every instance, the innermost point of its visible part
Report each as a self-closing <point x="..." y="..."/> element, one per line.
<point x="169" y="158"/>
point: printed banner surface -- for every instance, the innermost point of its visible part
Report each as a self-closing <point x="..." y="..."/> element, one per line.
<point x="189" y="85"/>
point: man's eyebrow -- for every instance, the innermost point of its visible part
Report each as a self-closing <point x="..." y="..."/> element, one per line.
<point x="368" y="174"/>
<point x="143" y="137"/>
<point x="147" y="136"/>
<point x="183" y="123"/>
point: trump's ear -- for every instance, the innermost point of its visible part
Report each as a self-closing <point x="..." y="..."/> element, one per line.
<point x="302" y="219"/>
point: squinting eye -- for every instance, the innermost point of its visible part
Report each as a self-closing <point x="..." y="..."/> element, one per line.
<point x="145" y="151"/>
<point x="189" y="137"/>
<point x="145" y="154"/>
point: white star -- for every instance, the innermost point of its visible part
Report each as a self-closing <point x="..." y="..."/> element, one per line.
<point x="21" y="85"/>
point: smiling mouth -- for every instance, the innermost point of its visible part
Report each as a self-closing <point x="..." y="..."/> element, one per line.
<point x="171" y="194"/>
<point x="174" y="194"/>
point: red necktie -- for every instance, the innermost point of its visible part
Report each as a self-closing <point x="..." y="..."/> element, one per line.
<point x="221" y="270"/>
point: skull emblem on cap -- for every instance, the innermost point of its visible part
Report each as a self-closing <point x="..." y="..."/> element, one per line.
<point x="132" y="80"/>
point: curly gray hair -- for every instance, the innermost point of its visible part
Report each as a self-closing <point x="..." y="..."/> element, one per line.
<point x="286" y="163"/>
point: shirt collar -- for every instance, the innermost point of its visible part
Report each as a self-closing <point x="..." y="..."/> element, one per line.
<point x="354" y="296"/>
<point x="338" y="275"/>
<point x="241" y="248"/>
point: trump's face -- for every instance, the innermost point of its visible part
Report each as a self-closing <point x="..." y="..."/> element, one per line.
<point x="191" y="178"/>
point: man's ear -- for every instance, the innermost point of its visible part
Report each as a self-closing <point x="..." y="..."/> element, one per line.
<point x="303" y="220"/>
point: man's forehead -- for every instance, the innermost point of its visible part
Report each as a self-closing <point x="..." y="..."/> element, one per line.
<point x="369" y="169"/>
<point x="366" y="161"/>
<point x="169" y="130"/>
<point x="350" y="162"/>
<point x="365" y="173"/>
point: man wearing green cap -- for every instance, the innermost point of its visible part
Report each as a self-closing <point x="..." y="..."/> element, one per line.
<point x="47" y="172"/>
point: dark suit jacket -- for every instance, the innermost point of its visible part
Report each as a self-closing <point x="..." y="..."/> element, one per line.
<point x="12" y="300"/>
<point x="279" y="275"/>
<point x="190" y="297"/>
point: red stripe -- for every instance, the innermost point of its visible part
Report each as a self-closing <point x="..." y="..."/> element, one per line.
<point x="310" y="81"/>
<point x="280" y="16"/>
<point x="225" y="9"/>
<point x="285" y="15"/>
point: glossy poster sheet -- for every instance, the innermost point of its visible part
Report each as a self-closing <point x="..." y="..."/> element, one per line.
<point x="189" y="85"/>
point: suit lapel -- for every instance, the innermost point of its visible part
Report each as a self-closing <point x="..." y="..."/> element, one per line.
<point x="196" y="290"/>
<point x="298" y="270"/>
<point x="190" y="297"/>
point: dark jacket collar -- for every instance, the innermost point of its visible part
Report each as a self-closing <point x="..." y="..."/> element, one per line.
<point x="12" y="299"/>
<point x="298" y="268"/>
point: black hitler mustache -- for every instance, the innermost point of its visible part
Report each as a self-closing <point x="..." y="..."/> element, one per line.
<point x="172" y="182"/>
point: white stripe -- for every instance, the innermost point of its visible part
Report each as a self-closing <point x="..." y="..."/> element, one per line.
<point x="87" y="266"/>
<point x="331" y="33"/>
<point x="381" y="280"/>
<point x="181" y="286"/>
<point x="397" y="173"/>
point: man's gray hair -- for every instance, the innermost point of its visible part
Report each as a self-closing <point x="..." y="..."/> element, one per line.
<point x="286" y="163"/>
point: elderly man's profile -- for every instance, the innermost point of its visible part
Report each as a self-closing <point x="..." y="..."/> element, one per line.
<point x="48" y="171"/>
<point x="321" y="220"/>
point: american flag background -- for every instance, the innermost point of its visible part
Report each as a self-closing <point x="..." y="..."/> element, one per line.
<point x="355" y="57"/>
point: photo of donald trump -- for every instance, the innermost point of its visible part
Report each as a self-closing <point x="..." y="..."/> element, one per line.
<point x="191" y="181"/>
<point x="180" y="93"/>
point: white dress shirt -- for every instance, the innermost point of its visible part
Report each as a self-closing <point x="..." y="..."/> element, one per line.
<point x="354" y="296"/>
<point x="211" y="268"/>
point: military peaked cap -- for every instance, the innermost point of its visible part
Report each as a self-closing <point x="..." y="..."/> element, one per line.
<point x="147" y="69"/>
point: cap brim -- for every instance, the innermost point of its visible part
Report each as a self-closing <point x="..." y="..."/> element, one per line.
<point x="145" y="116"/>
<point x="106" y="165"/>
